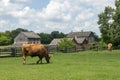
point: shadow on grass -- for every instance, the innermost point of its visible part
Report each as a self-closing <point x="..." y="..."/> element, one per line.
<point x="36" y="64"/>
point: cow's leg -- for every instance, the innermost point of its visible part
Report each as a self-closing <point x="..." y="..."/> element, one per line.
<point x="40" y="60"/>
<point x="24" y="59"/>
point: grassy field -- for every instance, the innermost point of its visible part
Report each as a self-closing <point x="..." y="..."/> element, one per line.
<point x="86" y="65"/>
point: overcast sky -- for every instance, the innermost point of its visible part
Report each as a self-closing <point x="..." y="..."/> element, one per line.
<point x="52" y="15"/>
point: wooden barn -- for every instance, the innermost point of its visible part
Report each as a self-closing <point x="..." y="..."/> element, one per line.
<point x="26" y="37"/>
<point x="81" y="43"/>
<point x="90" y="36"/>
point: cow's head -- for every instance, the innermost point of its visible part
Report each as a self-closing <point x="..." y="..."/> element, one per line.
<point x="47" y="58"/>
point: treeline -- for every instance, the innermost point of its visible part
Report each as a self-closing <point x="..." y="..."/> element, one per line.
<point x="47" y="38"/>
<point x="7" y="37"/>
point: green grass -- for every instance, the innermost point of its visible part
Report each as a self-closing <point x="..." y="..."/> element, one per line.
<point x="86" y="65"/>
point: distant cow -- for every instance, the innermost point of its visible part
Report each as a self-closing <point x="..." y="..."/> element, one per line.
<point x="110" y="46"/>
<point x="35" y="50"/>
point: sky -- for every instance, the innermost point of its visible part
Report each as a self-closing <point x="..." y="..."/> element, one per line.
<point x="52" y="15"/>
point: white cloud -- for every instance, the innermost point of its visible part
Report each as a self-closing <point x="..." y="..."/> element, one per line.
<point x="24" y="22"/>
<point x="84" y="16"/>
<point x="82" y="13"/>
<point x="3" y="23"/>
<point x="5" y="2"/>
<point x="62" y="15"/>
<point x="56" y="10"/>
<point x="21" y="13"/>
<point x="86" y="24"/>
<point x="20" y="1"/>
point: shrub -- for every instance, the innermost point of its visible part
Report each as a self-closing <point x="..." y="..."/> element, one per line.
<point x="65" y="43"/>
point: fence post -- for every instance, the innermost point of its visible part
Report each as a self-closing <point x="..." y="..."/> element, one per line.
<point x="66" y="49"/>
<point x="75" y="48"/>
<point x="57" y="48"/>
<point x="14" y="51"/>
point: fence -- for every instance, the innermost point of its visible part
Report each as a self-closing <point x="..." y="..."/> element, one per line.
<point x="10" y="52"/>
<point x="55" y="48"/>
<point x="16" y="51"/>
<point x="75" y="49"/>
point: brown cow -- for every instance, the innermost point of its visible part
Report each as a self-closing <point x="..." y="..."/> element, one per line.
<point x="35" y="50"/>
<point x="110" y="46"/>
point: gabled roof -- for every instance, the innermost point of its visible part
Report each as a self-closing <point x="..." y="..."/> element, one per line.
<point x="80" y="40"/>
<point x="79" y="34"/>
<point x="56" y="41"/>
<point x="30" y="35"/>
<point x="77" y="40"/>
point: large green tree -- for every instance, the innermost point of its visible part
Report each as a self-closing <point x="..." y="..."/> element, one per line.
<point x="105" y="24"/>
<point x="109" y="22"/>
<point x="116" y="24"/>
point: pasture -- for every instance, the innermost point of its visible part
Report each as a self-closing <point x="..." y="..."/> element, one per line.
<point x="84" y="65"/>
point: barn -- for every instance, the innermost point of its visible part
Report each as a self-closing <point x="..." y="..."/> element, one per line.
<point x="89" y="35"/>
<point x="80" y="43"/>
<point x="26" y="37"/>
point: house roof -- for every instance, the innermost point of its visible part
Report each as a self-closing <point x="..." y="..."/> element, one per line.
<point x="79" y="34"/>
<point x="78" y="40"/>
<point x="56" y="41"/>
<point x="30" y="35"/>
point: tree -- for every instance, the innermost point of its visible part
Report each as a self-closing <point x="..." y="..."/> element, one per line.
<point x="57" y="34"/>
<point x="4" y="39"/>
<point x="105" y="24"/>
<point x="15" y="32"/>
<point x="102" y="43"/>
<point x="116" y="24"/>
<point x="109" y="22"/>
<point x="45" y="38"/>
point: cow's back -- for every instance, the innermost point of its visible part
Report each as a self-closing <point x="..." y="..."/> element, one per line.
<point x="38" y="49"/>
<point x="34" y="49"/>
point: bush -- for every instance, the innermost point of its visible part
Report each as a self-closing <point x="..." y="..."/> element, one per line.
<point x="65" y="43"/>
<point x="4" y="40"/>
